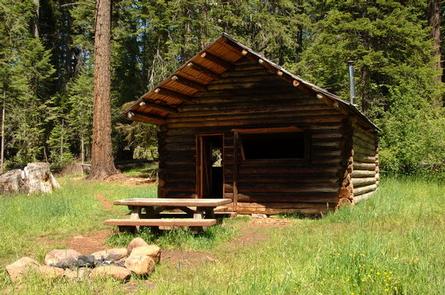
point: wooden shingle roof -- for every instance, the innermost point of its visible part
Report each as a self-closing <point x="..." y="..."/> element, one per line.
<point x="206" y="66"/>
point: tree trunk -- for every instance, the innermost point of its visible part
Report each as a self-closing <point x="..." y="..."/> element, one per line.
<point x="36" y="22"/>
<point x="434" y="20"/>
<point x="82" y="149"/>
<point x="102" y="164"/>
<point x="2" y="152"/>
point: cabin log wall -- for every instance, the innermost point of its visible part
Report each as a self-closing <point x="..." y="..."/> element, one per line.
<point x="365" y="172"/>
<point x="249" y="97"/>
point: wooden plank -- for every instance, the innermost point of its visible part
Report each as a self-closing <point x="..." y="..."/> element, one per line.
<point x="188" y="83"/>
<point x="158" y="106"/>
<point x="217" y="60"/>
<point x="161" y="222"/>
<point x="146" y="118"/>
<point x="268" y="130"/>
<point x="168" y="202"/>
<point x="235" y="169"/>
<point x="203" y="70"/>
<point x="174" y="94"/>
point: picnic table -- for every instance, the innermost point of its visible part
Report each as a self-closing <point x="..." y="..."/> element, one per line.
<point x="157" y="213"/>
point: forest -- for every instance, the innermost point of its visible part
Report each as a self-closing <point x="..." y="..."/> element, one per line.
<point x="47" y="52"/>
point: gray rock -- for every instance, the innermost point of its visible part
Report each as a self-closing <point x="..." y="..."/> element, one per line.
<point x="12" y="182"/>
<point x="63" y="258"/>
<point x="85" y="261"/>
<point x="110" y="254"/>
<point x="35" y="177"/>
<point x="111" y="271"/>
<point x="39" y="178"/>
<point x="19" y="268"/>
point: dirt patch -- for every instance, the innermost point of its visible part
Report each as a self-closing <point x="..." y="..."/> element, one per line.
<point x="123" y="179"/>
<point x="88" y="244"/>
<point x="186" y="259"/>
<point x="269" y="222"/>
<point x="107" y="204"/>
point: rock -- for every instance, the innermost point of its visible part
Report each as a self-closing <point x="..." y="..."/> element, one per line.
<point x="137" y="242"/>
<point x="110" y="254"/>
<point x="140" y="264"/>
<point x="111" y="271"/>
<point x="151" y="250"/>
<point x="35" y="177"/>
<point x="63" y="258"/>
<point x="50" y="272"/>
<point x="85" y="261"/>
<point x="12" y="182"/>
<point x="19" y="268"/>
<point x="39" y="178"/>
<point x="120" y="262"/>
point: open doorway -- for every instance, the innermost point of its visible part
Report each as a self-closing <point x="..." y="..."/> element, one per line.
<point x="211" y="166"/>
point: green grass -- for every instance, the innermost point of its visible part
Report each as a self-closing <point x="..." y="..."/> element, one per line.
<point x="146" y="170"/>
<point x="74" y="209"/>
<point x="393" y="243"/>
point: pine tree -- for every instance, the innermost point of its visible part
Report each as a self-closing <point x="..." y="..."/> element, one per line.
<point x="102" y="164"/>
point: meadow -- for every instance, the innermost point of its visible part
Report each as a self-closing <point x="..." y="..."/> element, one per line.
<point x="393" y="243"/>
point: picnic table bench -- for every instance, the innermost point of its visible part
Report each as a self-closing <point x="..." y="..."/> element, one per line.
<point x="151" y="212"/>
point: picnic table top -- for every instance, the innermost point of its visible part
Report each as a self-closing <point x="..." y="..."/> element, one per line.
<point x="172" y="202"/>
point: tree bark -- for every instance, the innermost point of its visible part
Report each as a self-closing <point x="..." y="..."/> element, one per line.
<point x="434" y="20"/>
<point x="2" y="152"/>
<point x="36" y="22"/>
<point x="102" y="164"/>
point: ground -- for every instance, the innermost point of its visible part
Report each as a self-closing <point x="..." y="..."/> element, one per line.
<point x="393" y="243"/>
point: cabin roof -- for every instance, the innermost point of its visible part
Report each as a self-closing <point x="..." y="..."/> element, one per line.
<point x="206" y="66"/>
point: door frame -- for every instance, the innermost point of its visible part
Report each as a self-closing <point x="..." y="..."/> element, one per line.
<point x="199" y="162"/>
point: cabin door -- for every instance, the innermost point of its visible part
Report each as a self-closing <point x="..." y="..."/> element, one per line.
<point x="210" y="166"/>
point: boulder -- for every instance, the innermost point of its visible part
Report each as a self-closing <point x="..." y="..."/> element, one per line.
<point x="39" y="178"/>
<point x="150" y="250"/>
<point x="112" y="255"/>
<point x="50" y="272"/>
<point x="19" y="268"/>
<point x="63" y="258"/>
<point x="111" y="271"/>
<point x="140" y="264"/>
<point x="136" y="242"/>
<point x="120" y="262"/>
<point x="35" y="177"/>
<point x="12" y="182"/>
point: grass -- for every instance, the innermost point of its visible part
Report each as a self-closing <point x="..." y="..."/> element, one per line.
<point x="145" y="170"/>
<point x="393" y="243"/>
<point x="73" y="209"/>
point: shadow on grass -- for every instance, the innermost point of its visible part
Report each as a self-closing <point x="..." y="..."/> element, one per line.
<point x="177" y="238"/>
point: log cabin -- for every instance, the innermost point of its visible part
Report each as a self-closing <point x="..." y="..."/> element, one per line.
<point x="233" y="124"/>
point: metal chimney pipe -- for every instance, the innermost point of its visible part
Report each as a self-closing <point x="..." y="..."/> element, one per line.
<point x="351" y="82"/>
